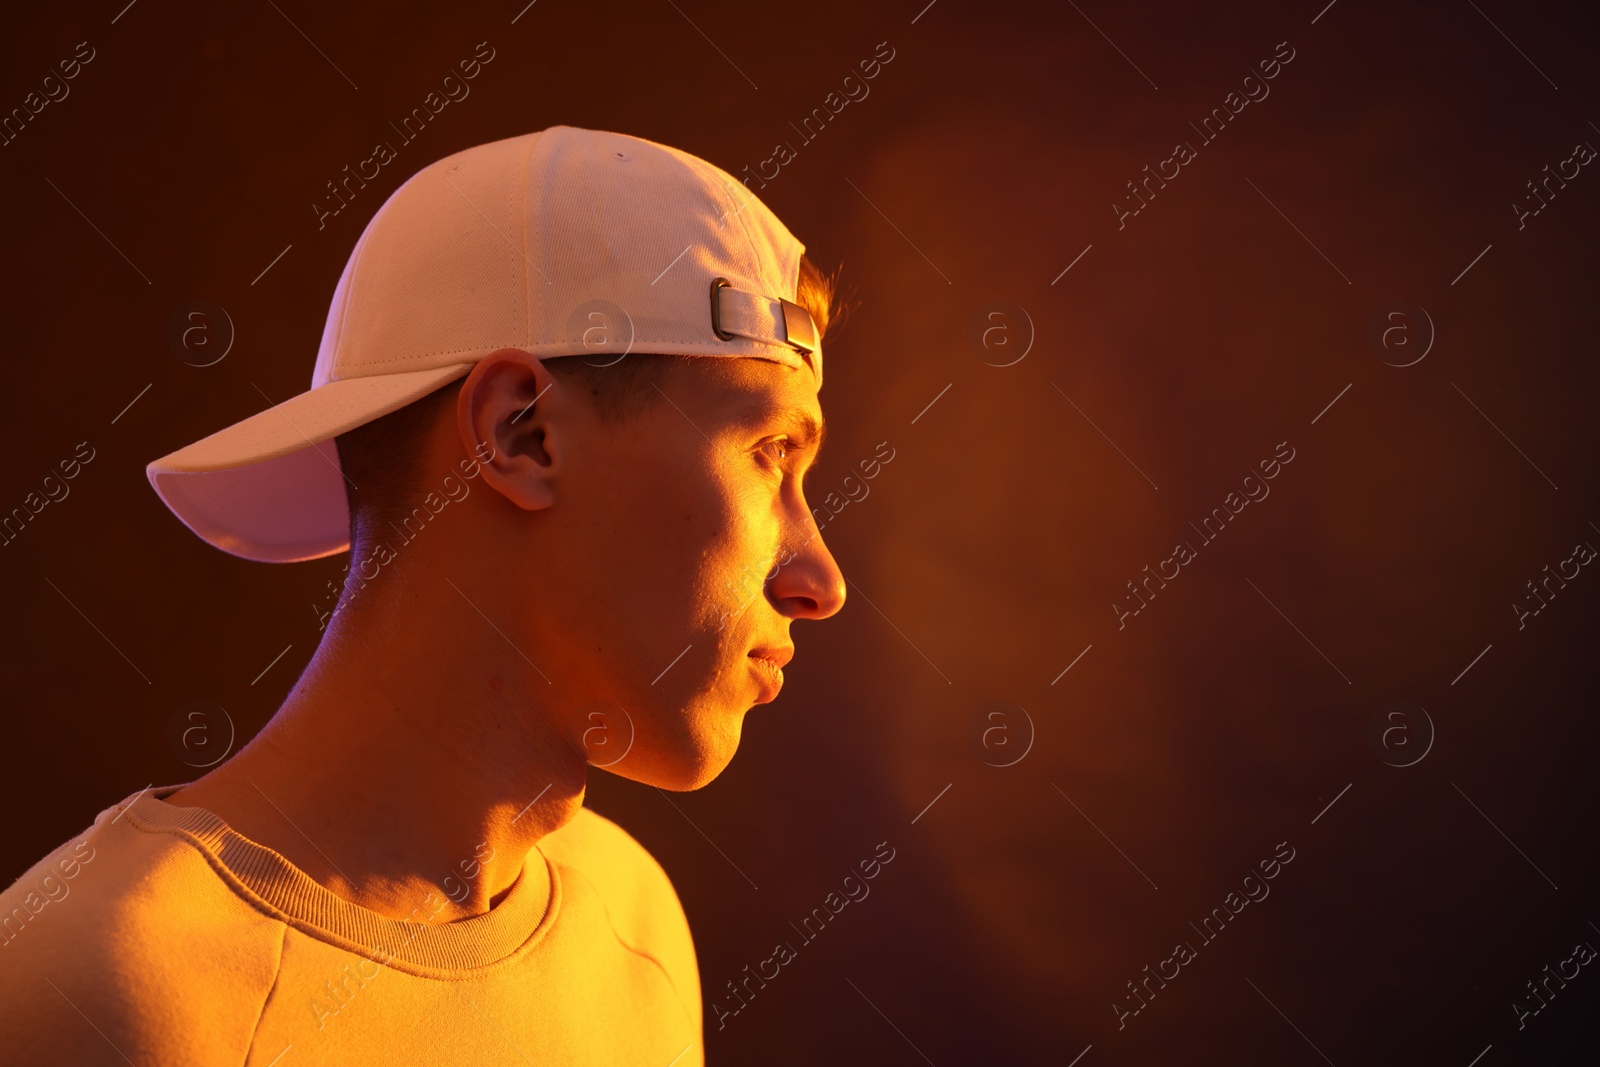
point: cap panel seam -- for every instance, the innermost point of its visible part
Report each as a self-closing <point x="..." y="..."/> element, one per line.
<point x="750" y="244"/>
<point x="356" y="259"/>
<point x="711" y="174"/>
<point x="525" y="172"/>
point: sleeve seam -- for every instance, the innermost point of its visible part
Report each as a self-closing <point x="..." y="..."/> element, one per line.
<point x="665" y="973"/>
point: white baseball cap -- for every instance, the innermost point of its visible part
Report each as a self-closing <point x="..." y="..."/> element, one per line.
<point x="562" y="242"/>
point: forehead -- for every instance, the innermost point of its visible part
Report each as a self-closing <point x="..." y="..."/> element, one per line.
<point x="746" y="391"/>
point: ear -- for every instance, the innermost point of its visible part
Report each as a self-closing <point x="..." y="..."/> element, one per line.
<point x="514" y="419"/>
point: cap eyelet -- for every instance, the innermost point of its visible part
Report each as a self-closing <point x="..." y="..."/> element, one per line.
<point x="716" y="309"/>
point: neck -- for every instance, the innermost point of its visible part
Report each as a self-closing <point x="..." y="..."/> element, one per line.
<point x="411" y="758"/>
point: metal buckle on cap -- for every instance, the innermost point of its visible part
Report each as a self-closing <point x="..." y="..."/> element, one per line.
<point x="716" y="309"/>
<point x="799" y="329"/>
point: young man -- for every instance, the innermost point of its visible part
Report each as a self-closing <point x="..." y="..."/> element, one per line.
<point x="576" y="539"/>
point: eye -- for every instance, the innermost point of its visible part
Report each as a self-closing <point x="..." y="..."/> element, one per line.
<point x="776" y="450"/>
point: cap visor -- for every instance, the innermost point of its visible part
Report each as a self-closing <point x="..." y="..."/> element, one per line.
<point x="269" y="488"/>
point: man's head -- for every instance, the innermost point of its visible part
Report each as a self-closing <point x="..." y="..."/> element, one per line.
<point x="637" y="530"/>
<point x="565" y="396"/>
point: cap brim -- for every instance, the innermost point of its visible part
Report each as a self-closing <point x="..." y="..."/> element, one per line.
<point x="269" y="488"/>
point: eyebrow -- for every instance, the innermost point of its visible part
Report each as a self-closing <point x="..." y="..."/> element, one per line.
<point x="797" y="420"/>
<point x="813" y="432"/>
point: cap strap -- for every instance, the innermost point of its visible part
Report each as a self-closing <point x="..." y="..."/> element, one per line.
<point x="736" y="312"/>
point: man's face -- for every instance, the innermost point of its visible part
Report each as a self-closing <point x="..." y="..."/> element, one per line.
<point x="684" y="551"/>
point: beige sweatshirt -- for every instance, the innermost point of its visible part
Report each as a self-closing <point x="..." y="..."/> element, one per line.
<point x="161" y="936"/>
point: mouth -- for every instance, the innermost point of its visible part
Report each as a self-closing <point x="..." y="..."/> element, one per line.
<point x="768" y="664"/>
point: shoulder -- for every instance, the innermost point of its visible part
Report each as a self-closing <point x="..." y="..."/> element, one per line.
<point x="605" y="852"/>
<point x="639" y="899"/>
<point x="136" y="932"/>
<point x="637" y="892"/>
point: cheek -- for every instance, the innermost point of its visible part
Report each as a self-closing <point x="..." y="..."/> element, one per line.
<point x="670" y="529"/>
<point x="739" y="543"/>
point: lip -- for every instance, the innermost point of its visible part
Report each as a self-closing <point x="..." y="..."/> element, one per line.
<point x="778" y="657"/>
<point x="768" y="664"/>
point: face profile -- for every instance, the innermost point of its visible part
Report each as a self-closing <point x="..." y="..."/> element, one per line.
<point x="669" y="554"/>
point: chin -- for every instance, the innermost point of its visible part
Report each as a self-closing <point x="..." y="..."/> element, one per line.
<point x="688" y="762"/>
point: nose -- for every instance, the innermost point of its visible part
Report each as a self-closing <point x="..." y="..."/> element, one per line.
<point x="809" y="586"/>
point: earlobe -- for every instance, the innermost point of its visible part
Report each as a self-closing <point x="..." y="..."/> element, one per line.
<point x="507" y="418"/>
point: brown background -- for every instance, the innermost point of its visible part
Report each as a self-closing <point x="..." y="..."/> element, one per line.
<point x="989" y="551"/>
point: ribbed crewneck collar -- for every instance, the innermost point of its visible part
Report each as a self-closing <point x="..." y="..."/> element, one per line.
<point x="267" y="878"/>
